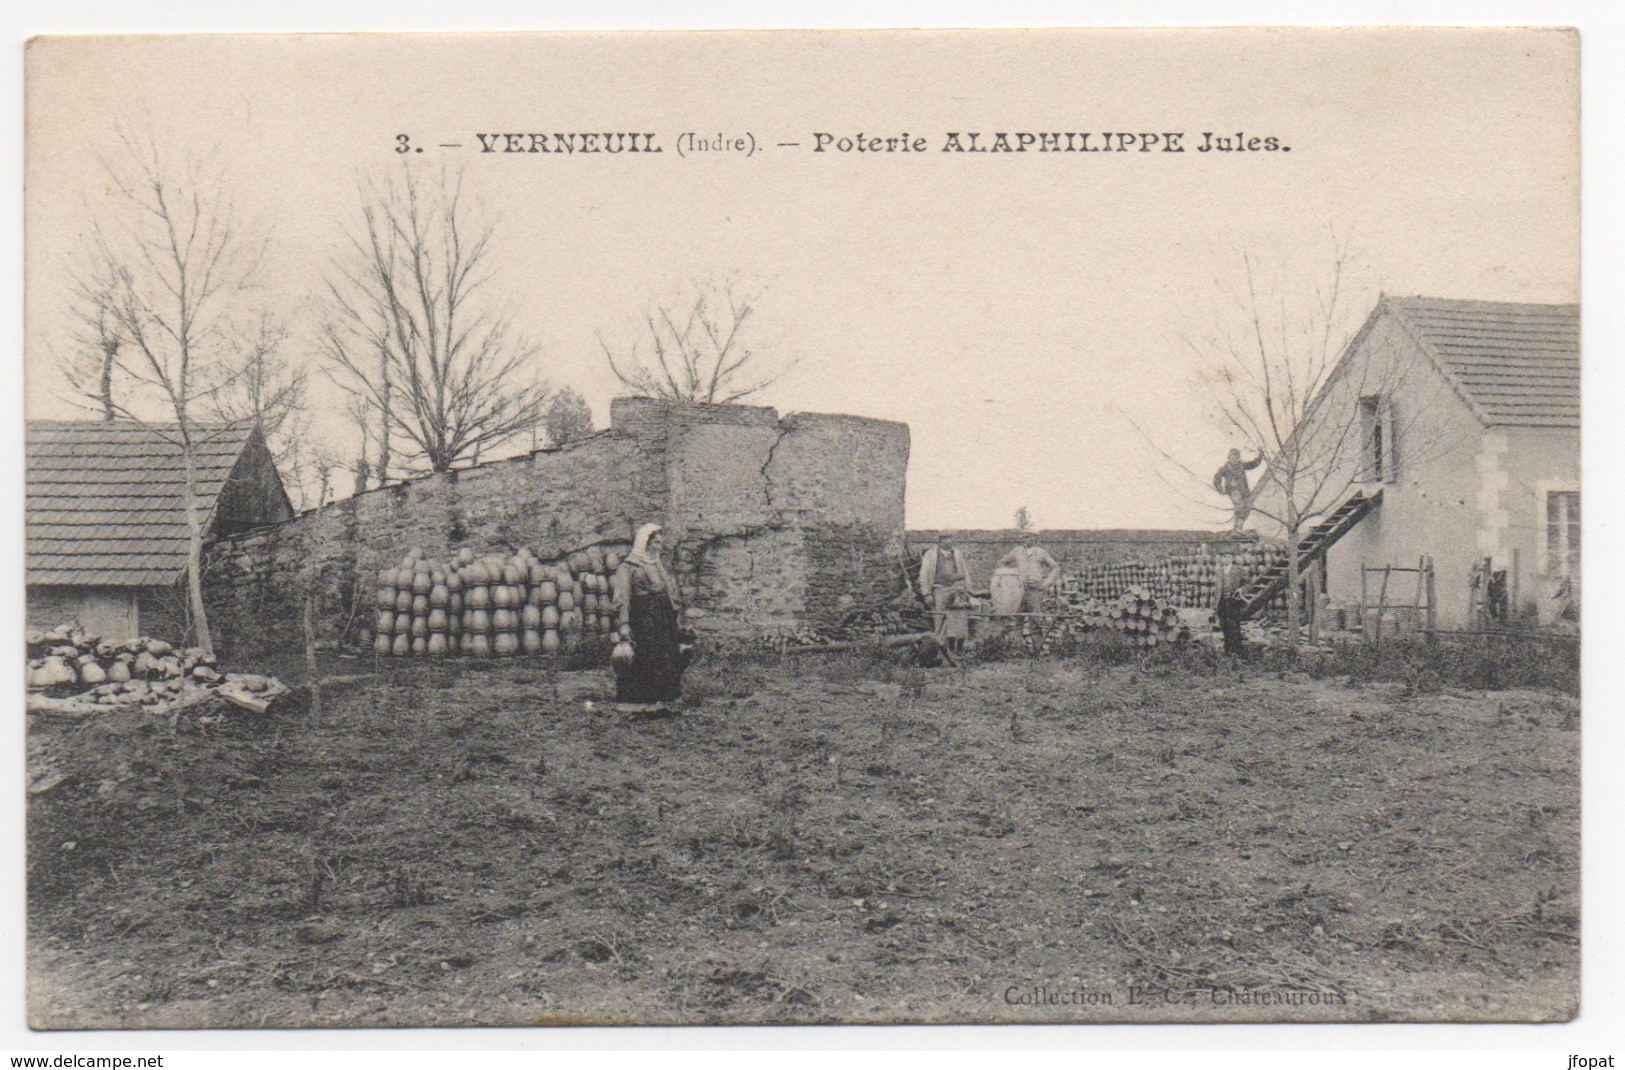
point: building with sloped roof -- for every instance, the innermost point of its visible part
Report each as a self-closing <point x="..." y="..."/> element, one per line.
<point x="1467" y="417"/>
<point x="1514" y="365"/>
<point x="106" y="523"/>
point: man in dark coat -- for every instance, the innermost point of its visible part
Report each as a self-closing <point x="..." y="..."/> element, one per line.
<point x="1229" y="609"/>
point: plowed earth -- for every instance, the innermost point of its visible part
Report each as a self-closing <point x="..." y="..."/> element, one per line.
<point x="815" y="840"/>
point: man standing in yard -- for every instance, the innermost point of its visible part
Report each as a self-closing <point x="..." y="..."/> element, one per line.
<point x="1231" y="480"/>
<point x="942" y="572"/>
<point x="1229" y="610"/>
<point x="1038" y="570"/>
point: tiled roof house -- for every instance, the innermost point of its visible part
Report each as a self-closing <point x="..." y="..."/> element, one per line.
<point x="1515" y="365"/>
<point x="106" y="525"/>
<point x="1474" y="443"/>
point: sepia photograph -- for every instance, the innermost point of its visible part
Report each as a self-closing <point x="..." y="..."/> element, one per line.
<point x="802" y="527"/>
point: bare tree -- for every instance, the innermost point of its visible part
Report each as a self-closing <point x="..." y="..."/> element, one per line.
<point x="697" y="349"/>
<point x="324" y="464"/>
<point x="257" y="382"/>
<point x="568" y="418"/>
<point x="90" y="367"/>
<point x="1024" y="519"/>
<point x="171" y="270"/>
<point x="1282" y="381"/>
<point x="361" y="468"/>
<point x="414" y="333"/>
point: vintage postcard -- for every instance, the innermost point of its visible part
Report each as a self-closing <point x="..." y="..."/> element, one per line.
<point x="803" y="527"/>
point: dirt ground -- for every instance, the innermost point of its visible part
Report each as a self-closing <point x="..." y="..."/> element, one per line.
<point x="824" y="839"/>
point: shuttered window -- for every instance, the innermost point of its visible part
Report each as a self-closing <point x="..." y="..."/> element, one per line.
<point x="1377" y="438"/>
<point x="1389" y="425"/>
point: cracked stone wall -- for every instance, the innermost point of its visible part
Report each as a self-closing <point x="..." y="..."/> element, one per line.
<point x="772" y="524"/>
<point x="778" y="523"/>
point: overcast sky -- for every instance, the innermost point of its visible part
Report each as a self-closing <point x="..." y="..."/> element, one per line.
<point x="1020" y="312"/>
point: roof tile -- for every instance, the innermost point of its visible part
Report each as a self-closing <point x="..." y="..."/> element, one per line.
<point x="104" y="504"/>
<point x="1518" y="364"/>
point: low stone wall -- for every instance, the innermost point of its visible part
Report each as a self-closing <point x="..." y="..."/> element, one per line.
<point x="1075" y="550"/>
<point x="771" y="524"/>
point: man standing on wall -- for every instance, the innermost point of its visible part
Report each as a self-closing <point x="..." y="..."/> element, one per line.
<point x="1231" y="480"/>
<point x="942" y="573"/>
<point x="1038" y="570"/>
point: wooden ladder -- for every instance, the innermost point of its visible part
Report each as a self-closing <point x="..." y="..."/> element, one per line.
<point x="1258" y="591"/>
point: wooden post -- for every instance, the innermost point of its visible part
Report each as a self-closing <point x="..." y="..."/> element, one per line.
<point x="1382" y="602"/>
<point x="312" y="675"/>
<point x="1512" y="590"/>
<point x="1432" y="615"/>
<point x="1313" y="584"/>
<point x="1421" y="590"/>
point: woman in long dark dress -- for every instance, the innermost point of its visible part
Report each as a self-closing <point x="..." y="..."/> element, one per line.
<point x="649" y="609"/>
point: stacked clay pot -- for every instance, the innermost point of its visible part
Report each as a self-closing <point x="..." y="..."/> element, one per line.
<point x="496" y="605"/>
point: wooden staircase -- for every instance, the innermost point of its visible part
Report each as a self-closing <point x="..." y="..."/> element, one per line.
<point x="1258" y="591"/>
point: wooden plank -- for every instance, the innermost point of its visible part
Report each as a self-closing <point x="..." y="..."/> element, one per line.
<point x="242" y="699"/>
<point x="354" y="678"/>
<point x="1562" y="637"/>
<point x="851" y="644"/>
<point x="67" y="707"/>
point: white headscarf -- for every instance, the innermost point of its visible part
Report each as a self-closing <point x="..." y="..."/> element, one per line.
<point x="641" y="557"/>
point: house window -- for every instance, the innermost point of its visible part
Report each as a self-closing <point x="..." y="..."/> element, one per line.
<point x="1376" y="433"/>
<point x="1562" y="532"/>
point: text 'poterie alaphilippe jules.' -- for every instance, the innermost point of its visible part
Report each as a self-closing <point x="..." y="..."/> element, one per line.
<point x="902" y="143"/>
